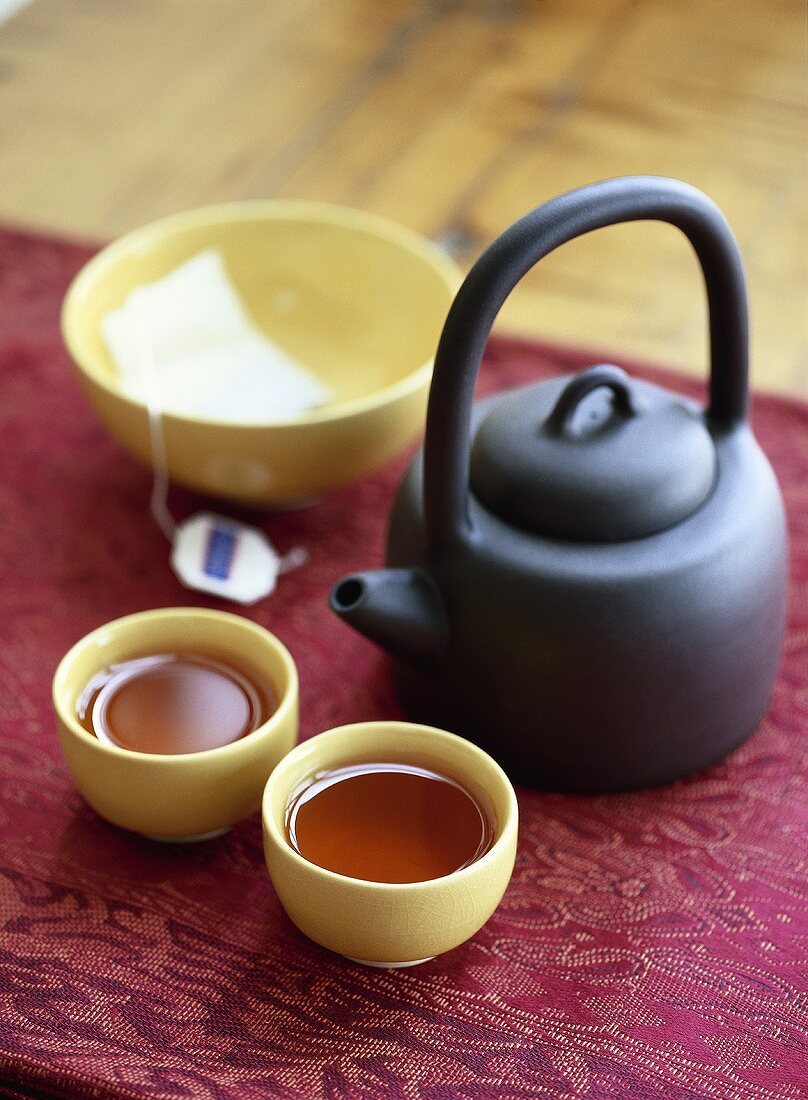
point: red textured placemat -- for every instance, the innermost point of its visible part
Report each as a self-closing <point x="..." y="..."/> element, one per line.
<point x="650" y="945"/>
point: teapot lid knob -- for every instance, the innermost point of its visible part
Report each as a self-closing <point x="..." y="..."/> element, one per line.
<point x="596" y="457"/>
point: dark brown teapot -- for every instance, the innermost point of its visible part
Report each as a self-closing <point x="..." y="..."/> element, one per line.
<point x="586" y="576"/>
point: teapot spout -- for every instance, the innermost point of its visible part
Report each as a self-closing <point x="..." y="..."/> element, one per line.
<point x="399" y="609"/>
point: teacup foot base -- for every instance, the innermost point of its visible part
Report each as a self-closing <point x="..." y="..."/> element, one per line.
<point x="390" y="966"/>
<point x="188" y="839"/>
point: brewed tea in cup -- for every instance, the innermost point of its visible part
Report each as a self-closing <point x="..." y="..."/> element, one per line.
<point x="171" y="720"/>
<point x="388" y="822"/>
<point x="175" y="703"/>
<point x="389" y="842"/>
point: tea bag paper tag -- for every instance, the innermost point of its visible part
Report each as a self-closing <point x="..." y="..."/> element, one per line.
<point x="229" y="559"/>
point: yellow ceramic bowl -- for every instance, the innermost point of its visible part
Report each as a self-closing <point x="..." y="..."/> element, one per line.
<point x="379" y="923"/>
<point x="185" y="797"/>
<point x="360" y="300"/>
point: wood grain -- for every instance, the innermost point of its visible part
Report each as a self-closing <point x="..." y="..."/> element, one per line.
<point x="453" y="116"/>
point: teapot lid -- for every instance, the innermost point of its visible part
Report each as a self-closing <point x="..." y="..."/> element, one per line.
<point x="597" y="457"/>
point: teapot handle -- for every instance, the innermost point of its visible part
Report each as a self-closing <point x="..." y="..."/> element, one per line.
<point x="510" y="256"/>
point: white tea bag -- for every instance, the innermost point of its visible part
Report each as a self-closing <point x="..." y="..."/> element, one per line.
<point x="207" y="357"/>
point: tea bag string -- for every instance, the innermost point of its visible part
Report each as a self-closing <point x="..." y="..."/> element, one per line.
<point x="158" y="501"/>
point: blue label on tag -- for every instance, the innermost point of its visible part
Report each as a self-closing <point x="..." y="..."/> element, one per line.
<point x="219" y="553"/>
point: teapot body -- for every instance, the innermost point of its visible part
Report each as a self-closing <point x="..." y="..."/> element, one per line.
<point x="605" y="666"/>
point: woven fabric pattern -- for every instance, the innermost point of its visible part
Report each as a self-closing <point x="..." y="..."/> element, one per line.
<point x="650" y="945"/>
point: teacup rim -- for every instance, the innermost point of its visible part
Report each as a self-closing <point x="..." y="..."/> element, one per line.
<point x="71" y="722"/>
<point x="503" y="838"/>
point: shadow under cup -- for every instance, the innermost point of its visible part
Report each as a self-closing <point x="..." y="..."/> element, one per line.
<point x="186" y="796"/>
<point x="380" y="923"/>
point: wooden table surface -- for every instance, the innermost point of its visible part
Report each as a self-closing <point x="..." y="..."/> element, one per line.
<point x="452" y="116"/>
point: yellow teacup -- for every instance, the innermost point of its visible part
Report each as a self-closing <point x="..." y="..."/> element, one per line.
<point x="180" y="797"/>
<point x="379" y="923"/>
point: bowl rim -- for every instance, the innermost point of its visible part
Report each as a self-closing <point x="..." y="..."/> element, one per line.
<point x="278" y="717"/>
<point x="271" y="210"/>
<point x="506" y="835"/>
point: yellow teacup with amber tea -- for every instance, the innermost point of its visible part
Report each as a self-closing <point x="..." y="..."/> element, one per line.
<point x="397" y="895"/>
<point x="171" y="720"/>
